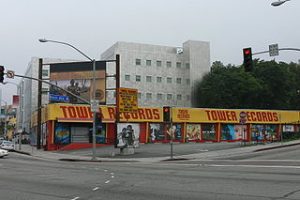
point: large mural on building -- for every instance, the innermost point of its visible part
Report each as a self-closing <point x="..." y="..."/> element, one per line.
<point x="77" y="78"/>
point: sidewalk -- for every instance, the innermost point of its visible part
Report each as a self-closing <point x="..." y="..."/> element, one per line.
<point x="155" y="152"/>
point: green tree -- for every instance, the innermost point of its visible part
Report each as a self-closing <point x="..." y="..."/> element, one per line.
<point x="270" y="85"/>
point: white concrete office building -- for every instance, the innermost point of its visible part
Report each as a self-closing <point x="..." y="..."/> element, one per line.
<point x="28" y="91"/>
<point x="163" y="75"/>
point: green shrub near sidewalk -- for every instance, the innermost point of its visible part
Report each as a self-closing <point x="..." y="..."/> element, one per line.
<point x="288" y="136"/>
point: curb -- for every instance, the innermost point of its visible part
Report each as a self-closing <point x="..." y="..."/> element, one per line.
<point x="276" y="147"/>
<point x="94" y="161"/>
<point x="22" y="152"/>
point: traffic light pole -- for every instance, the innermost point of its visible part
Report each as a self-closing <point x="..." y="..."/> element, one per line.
<point x="281" y="49"/>
<point x="172" y="136"/>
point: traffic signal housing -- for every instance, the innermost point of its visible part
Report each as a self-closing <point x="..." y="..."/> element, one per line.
<point x="98" y="119"/>
<point x="1" y="74"/>
<point x="248" y="63"/>
<point x="167" y="113"/>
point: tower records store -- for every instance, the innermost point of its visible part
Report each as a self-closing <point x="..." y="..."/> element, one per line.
<point x="66" y="125"/>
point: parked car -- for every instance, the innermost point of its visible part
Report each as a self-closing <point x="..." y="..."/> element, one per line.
<point x="7" y="145"/>
<point x="3" y="153"/>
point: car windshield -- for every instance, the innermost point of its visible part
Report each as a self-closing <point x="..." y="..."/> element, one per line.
<point x="6" y="142"/>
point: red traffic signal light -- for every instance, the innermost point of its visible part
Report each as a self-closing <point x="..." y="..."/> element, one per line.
<point x="1" y="74"/>
<point x="248" y="63"/>
<point x="167" y="114"/>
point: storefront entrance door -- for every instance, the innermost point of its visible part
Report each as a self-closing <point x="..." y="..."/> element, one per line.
<point x="79" y="134"/>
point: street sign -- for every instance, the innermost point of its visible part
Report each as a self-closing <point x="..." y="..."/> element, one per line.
<point x="10" y="74"/>
<point x="95" y="105"/>
<point x="273" y="50"/>
<point x="128" y="100"/>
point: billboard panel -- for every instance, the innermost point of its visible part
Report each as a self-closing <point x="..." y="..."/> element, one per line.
<point x="77" y="78"/>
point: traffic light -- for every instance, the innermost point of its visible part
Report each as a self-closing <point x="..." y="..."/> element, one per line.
<point x="248" y="63"/>
<point x="1" y="74"/>
<point x="98" y="119"/>
<point x="167" y="113"/>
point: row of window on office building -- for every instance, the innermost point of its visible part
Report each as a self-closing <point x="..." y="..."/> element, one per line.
<point x="159" y="79"/>
<point x="159" y="63"/>
<point x="161" y="96"/>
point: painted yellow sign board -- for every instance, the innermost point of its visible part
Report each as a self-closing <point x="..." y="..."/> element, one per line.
<point x="128" y="100"/>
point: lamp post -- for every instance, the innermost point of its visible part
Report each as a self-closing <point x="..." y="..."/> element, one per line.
<point x="94" y="87"/>
<point x="279" y="2"/>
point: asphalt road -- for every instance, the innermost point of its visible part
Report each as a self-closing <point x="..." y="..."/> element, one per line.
<point x="156" y="150"/>
<point x="267" y="175"/>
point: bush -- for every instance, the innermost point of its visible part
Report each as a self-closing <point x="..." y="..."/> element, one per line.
<point x="287" y="136"/>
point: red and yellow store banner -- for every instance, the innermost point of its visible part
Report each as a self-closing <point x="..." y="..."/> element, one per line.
<point x="83" y="113"/>
<point x="196" y="115"/>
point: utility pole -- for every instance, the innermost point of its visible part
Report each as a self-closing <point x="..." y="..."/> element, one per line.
<point x="39" y="117"/>
<point x="117" y="118"/>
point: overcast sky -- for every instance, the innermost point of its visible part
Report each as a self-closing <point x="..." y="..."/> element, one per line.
<point x="95" y="25"/>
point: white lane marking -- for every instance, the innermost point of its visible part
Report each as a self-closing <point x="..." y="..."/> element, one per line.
<point x="105" y="170"/>
<point x="75" y="198"/>
<point x="96" y="188"/>
<point x="255" y="166"/>
<point x="107" y="181"/>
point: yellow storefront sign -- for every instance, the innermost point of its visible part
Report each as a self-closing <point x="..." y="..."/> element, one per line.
<point x="233" y="116"/>
<point x="83" y="113"/>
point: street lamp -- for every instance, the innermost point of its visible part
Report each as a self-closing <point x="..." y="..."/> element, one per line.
<point x="94" y="88"/>
<point x="279" y="2"/>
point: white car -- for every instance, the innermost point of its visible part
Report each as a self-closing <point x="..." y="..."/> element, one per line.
<point x="3" y="153"/>
<point x="7" y="145"/>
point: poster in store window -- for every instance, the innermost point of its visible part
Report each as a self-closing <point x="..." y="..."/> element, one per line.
<point x="156" y="132"/>
<point x="233" y="132"/>
<point x="208" y="132"/>
<point x="264" y="132"/>
<point x="193" y="132"/>
<point x="128" y="135"/>
<point x="174" y="131"/>
<point x="62" y="133"/>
